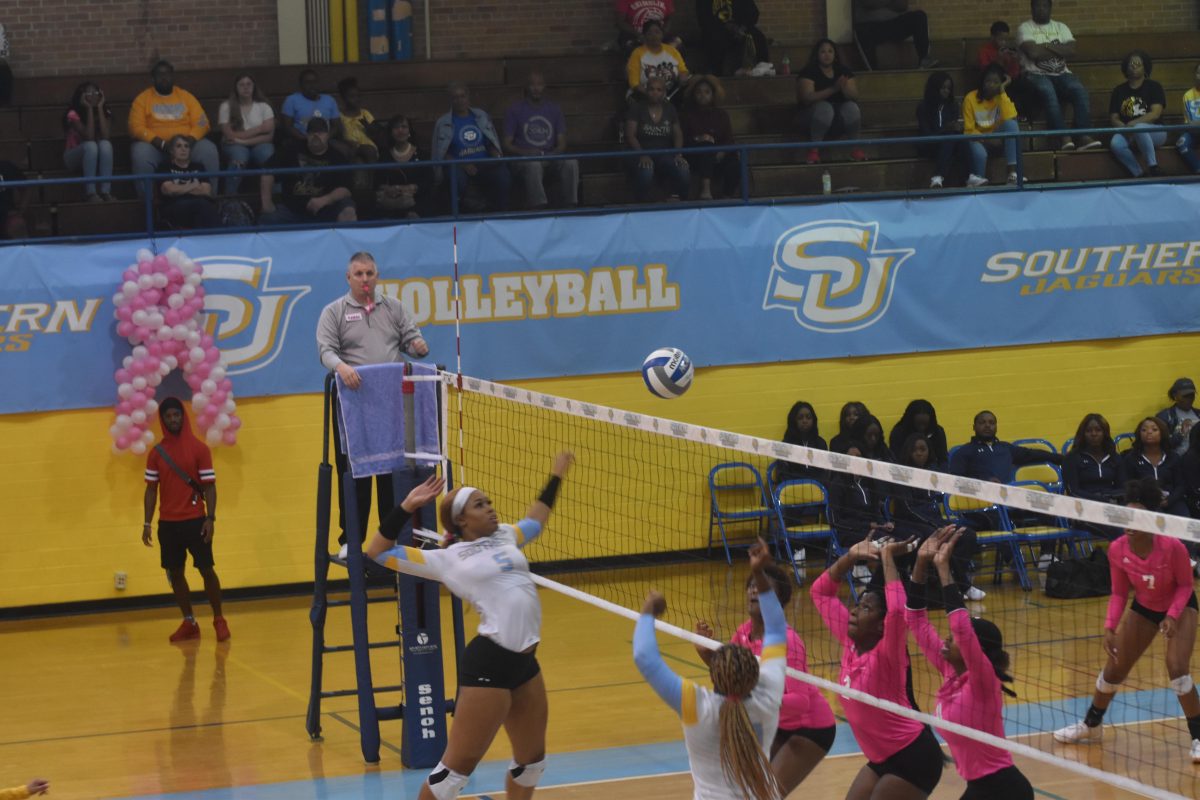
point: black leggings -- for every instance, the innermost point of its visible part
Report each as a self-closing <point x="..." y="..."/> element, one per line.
<point x="1005" y="784"/>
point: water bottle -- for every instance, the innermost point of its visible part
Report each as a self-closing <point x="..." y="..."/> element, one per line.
<point x="785" y="66"/>
<point x="826" y="183"/>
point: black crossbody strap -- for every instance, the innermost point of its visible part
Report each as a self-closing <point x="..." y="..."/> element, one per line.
<point x="188" y="479"/>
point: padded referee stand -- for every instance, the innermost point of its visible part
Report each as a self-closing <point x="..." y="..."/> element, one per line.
<point x="423" y="712"/>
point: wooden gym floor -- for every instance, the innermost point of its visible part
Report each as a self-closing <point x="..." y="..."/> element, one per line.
<point x="103" y="706"/>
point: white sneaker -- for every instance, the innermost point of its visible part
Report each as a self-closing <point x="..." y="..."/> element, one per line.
<point x="343" y="552"/>
<point x="1012" y="179"/>
<point x="974" y="181"/>
<point x="936" y="182"/>
<point x="1196" y="751"/>
<point x="861" y="573"/>
<point x="1079" y="733"/>
<point x="1044" y="561"/>
<point x="975" y="594"/>
<point x="799" y="557"/>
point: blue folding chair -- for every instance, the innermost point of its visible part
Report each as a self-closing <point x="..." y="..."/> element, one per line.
<point x="1124" y="441"/>
<point x="799" y="500"/>
<point x="999" y="537"/>
<point x="738" y="496"/>
<point x="1049" y="475"/>
<point x="1053" y="529"/>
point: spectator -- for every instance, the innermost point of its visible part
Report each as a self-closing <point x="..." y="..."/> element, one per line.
<point x="355" y="120"/>
<point x="846" y="419"/>
<point x="856" y="509"/>
<point x="986" y="458"/>
<point x="307" y="104"/>
<point x="405" y="190"/>
<point x="161" y="112"/>
<point x="466" y="133"/>
<point x="1191" y="115"/>
<point x="706" y="124"/>
<point x="13" y="203"/>
<point x="6" y="76"/>
<point x="868" y="432"/>
<point x="1180" y="417"/>
<point x="1137" y="103"/>
<point x="653" y="59"/>
<point x="1151" y="457"/>
<point x="802" y="430"/>
<point x="920" y="418"/>
<point x="632" y="16"/>
<point x="1045" y="46"/>
<point x="828" y="95"/>
<point x="86" y="124"/>
<point x="247" y="124"/>
<point x="185" y="200"/>
<point x="938" y="114"/>
<point x="988" y="110"/>
<point x="535" y="126"/>
<point x="653" y="124"/>
<point x="309" y="196"/>
<point x="879" y="21"/>
<point x="1092" y="467"/>
<point x="1190" y="466"/>
<point x="999" y="49"/>
<point x="730" y="32"/>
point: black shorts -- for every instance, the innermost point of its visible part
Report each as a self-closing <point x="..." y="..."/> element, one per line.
<point x="1158" y="616"/>
<point x="920" y="763"/>
<point x="821" y="737"/>
<point x="1004" y="784"/>
<point x="177" y="539"/>
<point x="485" y="663"/>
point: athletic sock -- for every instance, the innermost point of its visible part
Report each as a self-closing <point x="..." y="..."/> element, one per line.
<point x="1094" y="716"/>
<point x="1194" y="726"/>
<point x="189" y="618"/>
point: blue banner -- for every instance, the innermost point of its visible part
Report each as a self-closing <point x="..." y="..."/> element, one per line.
<point x="579" y="295"/>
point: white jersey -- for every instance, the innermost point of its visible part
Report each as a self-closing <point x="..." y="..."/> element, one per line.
<point x="490" y="573"/>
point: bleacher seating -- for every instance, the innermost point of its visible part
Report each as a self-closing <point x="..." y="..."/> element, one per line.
<point x="590" y="89"/>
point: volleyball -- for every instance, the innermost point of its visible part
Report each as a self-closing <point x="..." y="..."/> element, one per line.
<point x="667" y="372"/>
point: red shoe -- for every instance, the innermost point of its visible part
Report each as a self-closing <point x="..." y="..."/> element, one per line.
<point x="813" y="157"/>
<point x="857" y="154"/>
<point x="222" y="628"/>
<point x="187" y="630"/>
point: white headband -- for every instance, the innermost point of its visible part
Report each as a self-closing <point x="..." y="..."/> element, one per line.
<point x="460" y="500"/>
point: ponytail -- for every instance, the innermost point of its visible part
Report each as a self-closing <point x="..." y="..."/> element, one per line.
<point x="734" y="671"/>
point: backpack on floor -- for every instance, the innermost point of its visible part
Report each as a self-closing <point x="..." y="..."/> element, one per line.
<point x="1071" y="578"/>
<point x="235" y="213"/>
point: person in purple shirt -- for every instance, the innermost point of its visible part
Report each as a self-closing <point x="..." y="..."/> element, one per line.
<point x="535" y="126"/>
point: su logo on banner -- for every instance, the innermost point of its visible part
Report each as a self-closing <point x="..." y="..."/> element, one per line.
<point x="833" y="276"/>
<point x="247" y="316"/>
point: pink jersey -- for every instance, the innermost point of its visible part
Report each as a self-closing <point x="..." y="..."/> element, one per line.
<point x="972" y="698"/>
<point x="803" y="704"/>
<point x="1161" y="582"/>
<point x="879" y="672"/>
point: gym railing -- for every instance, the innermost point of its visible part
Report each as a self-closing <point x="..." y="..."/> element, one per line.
<point x="449" y="170"/>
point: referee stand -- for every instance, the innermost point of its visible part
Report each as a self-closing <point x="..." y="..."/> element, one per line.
<point x="423" y="704"/>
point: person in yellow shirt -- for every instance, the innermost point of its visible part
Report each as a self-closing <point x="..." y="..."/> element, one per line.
<point x="1191" y="116"/>
<point x="653" y="59"/>
<point x="161" y="112"/>
<point x="355" y="120"/>
<point x="988" y="110"/>
<point x="35" y="786"/>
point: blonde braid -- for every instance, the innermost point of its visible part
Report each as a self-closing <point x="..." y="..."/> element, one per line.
<point x="734" y="671"/>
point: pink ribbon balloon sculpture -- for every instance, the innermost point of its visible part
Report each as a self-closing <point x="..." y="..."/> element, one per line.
<point x="159" y="308"/>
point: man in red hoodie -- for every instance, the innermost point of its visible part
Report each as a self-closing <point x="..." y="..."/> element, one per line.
<point x="180" y="469"/>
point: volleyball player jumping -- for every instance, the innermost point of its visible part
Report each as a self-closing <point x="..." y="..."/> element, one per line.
<point x="973" y="663"/>
<point x="904" y="761"/>
<point x="722" y="726"/>
<point x="1160" y="573"/>
<point x="499" y="680"/>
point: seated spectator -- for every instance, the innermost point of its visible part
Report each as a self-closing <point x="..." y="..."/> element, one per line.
<point x="988" y="110"/>
<point x="730" y="32"/>
<point x="846" y="418"/>
<point x="879" y="21"/>
<point x="247" y="124"/>
<point x="355" y="120"/>
<point x="1000" y="49"/>
<point x="6" y="76"/>
<point x="856" y="507"/>
<point x="653" y="59"/>
<point x="938" y="114"/>
<point x="706" y="124"/>
<point x="1151" y="457"/>
<point x="1092" y="467"/>
<point x="653" y="124"/>
<point x="1190" y="466"/>
<point x="802" y="430"/>
<point x="986" y="458"/>
<point x="309" y="197"/>
<point x="1181" y="416"/>
<point x="920" y="418"/>
<point x="13" y="203"/>
<point x="828" y="95"/>
<point x="868" y="432"/>
<point x="1137" y="102"/>
<point x="160" y="113"/>
<point x="1045" y="45"/>
<point x="632" y="16"/>
<point x="1186" y="142"/>
<point x="304" y="105"/>
<point x="186" y="198"/>
<point x="466" y="133"/>
<point x="535" y="126"/>
<point x="88" y="150"/>
<point x="407" y="189"/>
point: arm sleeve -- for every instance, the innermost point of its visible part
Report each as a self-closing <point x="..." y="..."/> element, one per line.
<point x="393" y="523"/>
<point x="774" y="626"/>
<point x="633" y="68"/>
<point x="406" y="329"/>
<point x="683" y="67"/>
<point x="327" y="338"/>
<point x="1114" y="101"/>
<point x="527" y="530"/>
<point x="152" y="466"/>
<point x="665" y="683"/>
<point x="205" y="466"/>
<point x="1064" y="33"/>
<point x="1030" y="455"/>
<point x="411" y="561"/>
<point x="137" y="119"/>
<point x="1181" y="566"/>
<point x="197" y="116"/>
<point x="15" y="793"/>
<point x="1071" y="475"/>
<point x="1120" y="590"/>
<point x="1007" y="109"/>
<point x="1157" y="94"/>
<point x="833" y="613"/>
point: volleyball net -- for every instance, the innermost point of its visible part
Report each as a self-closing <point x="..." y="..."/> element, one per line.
<point x="638" y="512"/>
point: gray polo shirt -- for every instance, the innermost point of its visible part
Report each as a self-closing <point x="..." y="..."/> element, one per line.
<point x="347" y="333"/>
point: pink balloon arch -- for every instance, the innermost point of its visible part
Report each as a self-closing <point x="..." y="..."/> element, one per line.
<point x="159" y="309"/>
